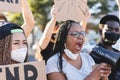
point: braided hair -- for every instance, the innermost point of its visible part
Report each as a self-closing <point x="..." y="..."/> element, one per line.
<point x="60" y="41"/>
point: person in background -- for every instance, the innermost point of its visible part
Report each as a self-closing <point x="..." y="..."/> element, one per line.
<point x="13" y="44"/>
<point x="109" y="29"/>
<point x="68" y="63"/>
<point x="48" y="38"/>
<point x="47" y="52"/>
<point x="28" y="19"/>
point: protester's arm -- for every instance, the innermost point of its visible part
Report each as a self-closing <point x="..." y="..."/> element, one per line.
<point x="43" y="42"/>
<point x="28" y="18"/>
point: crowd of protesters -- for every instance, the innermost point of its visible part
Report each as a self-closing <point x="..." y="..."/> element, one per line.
<point x="60" y="46"/>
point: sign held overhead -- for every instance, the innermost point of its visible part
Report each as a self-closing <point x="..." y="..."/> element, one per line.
<point x="10" y="5"/>
<point x="76" y="10"/>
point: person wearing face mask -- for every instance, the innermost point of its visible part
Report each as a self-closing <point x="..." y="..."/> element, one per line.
<point x="109" y="28"/>
<point x="68" y="63"/>
<point x="13" y="44"/>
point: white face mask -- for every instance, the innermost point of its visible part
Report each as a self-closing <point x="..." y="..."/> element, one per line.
<point x="19" y="55"/>
<point x="71" y="55"/>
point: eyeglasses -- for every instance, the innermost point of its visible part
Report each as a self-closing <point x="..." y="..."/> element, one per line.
<point x="76" y="34"/>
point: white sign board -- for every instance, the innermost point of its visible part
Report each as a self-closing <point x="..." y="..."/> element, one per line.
<point x="23" y="71"/>
<point x="76" y="10"/>
<point x="10" y="5"/>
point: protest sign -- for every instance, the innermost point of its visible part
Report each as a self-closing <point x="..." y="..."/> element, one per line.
<point x="10" y="5"/>
<point x="76" y="10"/>
<point x="23" y="71"/>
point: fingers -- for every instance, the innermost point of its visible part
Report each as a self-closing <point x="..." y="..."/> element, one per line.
<point x="105" y="78"/>
<point x="54" y="12"/>
<point x="105" y="66"/>
<point x="105" y="69"/>
<point x="102" y="70"/>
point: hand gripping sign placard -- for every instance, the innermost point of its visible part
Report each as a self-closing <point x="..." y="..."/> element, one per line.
<point x="10" y="5"/>
<point x="23" y="71"/>
<point x="76" y="10"/>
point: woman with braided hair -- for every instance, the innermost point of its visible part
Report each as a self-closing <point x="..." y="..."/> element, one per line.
<point x="68" y="63"/>
<point x="13" y="44"/>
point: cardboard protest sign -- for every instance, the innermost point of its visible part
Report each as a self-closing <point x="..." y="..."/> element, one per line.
<point x="23" y="71"/>
<point x="76" y="10"/>
<point x="10" y="5"/>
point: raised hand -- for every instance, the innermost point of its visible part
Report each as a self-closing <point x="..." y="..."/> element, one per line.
<point x="103" y="70"/>
<point x="54" y="12"/>
<point x="100" y="71"/>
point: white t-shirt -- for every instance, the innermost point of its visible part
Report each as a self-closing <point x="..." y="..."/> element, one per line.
<point x="70" y="71"/>
<point x="117" y="45"/>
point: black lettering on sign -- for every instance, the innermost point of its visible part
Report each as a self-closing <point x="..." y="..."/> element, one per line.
<point x="2" y="0"/>
<point x="10" y="1"/>
<point x="30" y="68"/>
<point x="9" y="75"/>
<point x="16" y="1"/>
